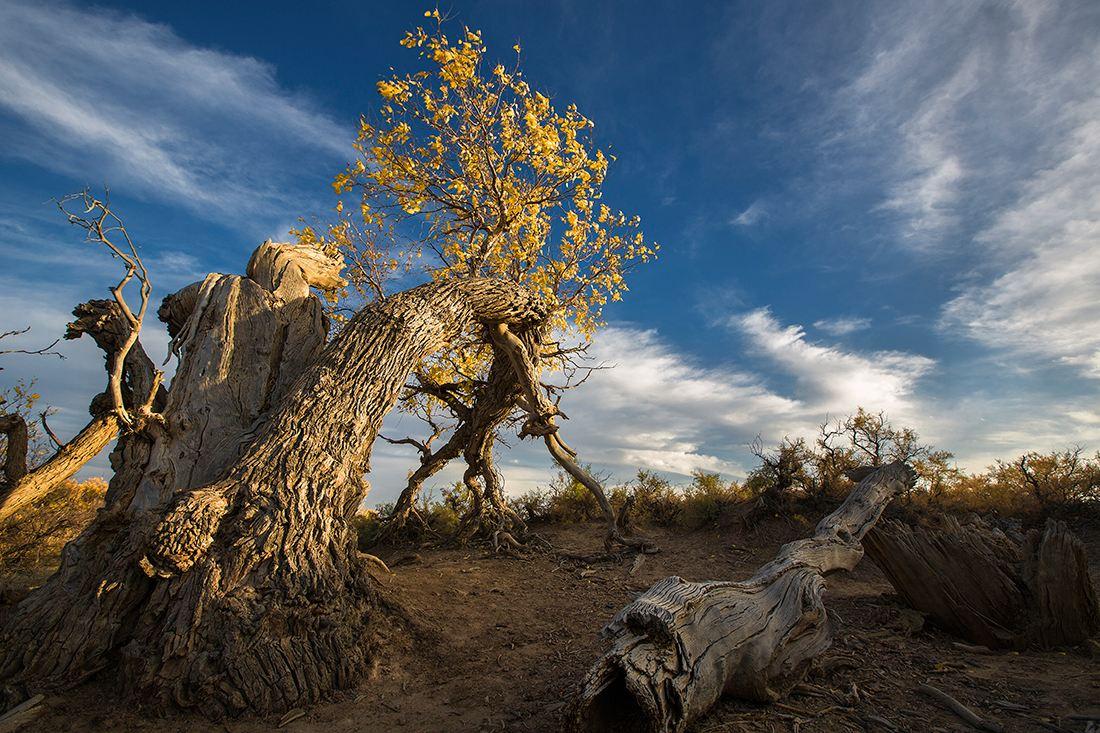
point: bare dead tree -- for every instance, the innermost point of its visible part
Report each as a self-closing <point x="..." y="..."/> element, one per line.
<point x="134" y="391"/>
<point x="104" y="227"/>
<point x="102" y="321"/>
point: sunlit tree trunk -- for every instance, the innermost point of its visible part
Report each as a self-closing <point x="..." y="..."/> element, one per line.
<point x="229" y="581"/>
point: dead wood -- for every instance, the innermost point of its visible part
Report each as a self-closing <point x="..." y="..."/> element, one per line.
<point x="988" y="588"/>
<point x="972" y="718"/>
<point x="103" y="322"/>
<point x="680" y="646"/>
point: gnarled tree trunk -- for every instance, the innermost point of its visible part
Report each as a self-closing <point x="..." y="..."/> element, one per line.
<point x="472" y="439"/>
<point x="680" y="646"/>
<point x="233" y="584"/>
<point x="991" y="588"/>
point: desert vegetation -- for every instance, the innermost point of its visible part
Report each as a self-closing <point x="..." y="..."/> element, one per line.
<point x="796" y="478"/>
<point x="230" y="572"/>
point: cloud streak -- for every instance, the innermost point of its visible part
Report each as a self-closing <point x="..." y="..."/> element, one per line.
<point x="130" y="100"/>
<point x="842" y="326"/>
<point x="986" y="117"/>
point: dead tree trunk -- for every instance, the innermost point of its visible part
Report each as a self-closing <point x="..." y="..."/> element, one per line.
<point x="104" y="323"/>
<point x="233" y="583"/>
<point x="680" y="646"/>
<point x="999" y="591"/>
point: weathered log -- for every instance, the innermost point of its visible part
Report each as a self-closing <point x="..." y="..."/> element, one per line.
<point x="680" y="646"/>
<point x="979" y="583"/>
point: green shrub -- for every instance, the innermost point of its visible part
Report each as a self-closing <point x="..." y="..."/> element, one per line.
<point x="656" y="501"/>
<point x="709" y="500"/>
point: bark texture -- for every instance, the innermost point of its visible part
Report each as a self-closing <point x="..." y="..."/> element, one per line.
<point x="680" y="646"/>
<point x="223" y="574"/>
<point x="991" y="588"/>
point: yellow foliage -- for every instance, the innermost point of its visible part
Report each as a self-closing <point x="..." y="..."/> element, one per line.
<point x="487" y="177"/>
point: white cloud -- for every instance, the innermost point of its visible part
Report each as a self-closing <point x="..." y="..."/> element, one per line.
<point x="128" y="101"/>
<point x="986" y="119"/>
<point x="842" y="326"/>
<point x="830" y="379"/>
<point x="753" y="214"/>
<point x="1046" y="301"/>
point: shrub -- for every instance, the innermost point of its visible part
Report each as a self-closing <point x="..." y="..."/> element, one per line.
<point x="709" y="500"/>
<point x="34" y="537"/>
<point x="566" y="500"/>
<point x="655" y="500"/>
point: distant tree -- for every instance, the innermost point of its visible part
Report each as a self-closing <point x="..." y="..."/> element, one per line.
<point x="1056" y="481"/>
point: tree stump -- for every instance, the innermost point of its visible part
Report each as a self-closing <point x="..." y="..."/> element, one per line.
<point x="680" y="646"/>
<point x="1001" y="591"/>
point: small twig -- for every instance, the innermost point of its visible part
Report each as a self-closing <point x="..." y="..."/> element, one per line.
<point x="972" y="648"/>
<point x="959" y="709"/>
<point x="45" y="426"/>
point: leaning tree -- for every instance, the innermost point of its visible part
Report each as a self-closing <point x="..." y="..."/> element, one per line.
<point x="466" y="172"/>
<point x="133" y="393"/>
<point x="222" y="572"/>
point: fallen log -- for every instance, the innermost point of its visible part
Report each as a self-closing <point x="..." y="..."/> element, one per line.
<point x="680" y="646"/>
<point x="989" y="588"/>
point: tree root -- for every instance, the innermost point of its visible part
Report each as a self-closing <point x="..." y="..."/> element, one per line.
<point x="959" y="709"/>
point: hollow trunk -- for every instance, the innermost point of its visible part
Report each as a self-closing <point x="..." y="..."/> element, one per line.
<point x="988" y="587"/>
<point x="680" y="646"/>
<point x="228" y="580"/>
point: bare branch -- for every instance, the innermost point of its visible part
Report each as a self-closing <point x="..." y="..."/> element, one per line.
<point x="44" y="351"/>
<point x="103" y="226"/>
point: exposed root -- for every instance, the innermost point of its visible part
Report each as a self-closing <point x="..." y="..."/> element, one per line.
<point x="375" y="560"/>
<point x="540" y="422"/>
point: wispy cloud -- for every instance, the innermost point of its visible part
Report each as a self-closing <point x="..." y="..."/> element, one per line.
<point x="659" y="409"/>
<point x="842" y="326"/>
<point x="129" y="101"/>
<point x="752" y="215"/>
<point x="832" y="379"/>
<point x="1045" y="302"/>
<point x="986" y="119"/>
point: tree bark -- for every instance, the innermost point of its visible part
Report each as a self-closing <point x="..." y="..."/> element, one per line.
<point x="14" y="428"/>
<point x="680" y="646"/>
<point x="233" y="584"/>
<point x="989" y="588"/>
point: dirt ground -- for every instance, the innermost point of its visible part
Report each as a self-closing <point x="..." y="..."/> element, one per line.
<point x="503" y="643"/>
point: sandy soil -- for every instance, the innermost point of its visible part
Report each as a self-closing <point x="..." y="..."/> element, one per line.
<point x="503" y="642"/>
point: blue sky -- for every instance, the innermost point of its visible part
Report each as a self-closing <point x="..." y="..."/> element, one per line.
<point x="894" y="205"/>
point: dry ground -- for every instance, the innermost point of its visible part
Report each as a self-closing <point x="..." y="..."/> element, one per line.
<point x="503" y="642"/>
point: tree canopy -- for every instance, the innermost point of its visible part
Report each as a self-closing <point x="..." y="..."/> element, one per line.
<point x="470" y="172"/>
